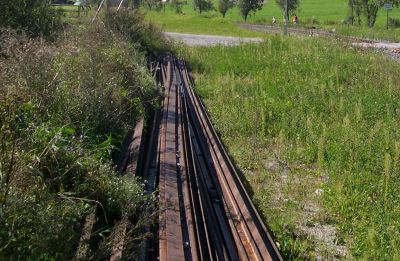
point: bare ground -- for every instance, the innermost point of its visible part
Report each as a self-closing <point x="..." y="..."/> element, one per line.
<point x="208" y="40"/>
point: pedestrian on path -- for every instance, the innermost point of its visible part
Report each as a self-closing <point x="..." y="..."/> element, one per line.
<point x="295" y="19"/>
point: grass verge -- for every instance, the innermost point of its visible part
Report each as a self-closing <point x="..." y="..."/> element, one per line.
<point x="64" y="109"/>
<point x="314" y="127"/>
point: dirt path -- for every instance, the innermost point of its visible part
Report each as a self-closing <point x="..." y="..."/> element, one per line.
<point x="207" y="40"/>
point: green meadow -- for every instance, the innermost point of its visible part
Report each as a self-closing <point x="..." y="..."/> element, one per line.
<point x="314" y="126"/>
<point x="325" y="14"/>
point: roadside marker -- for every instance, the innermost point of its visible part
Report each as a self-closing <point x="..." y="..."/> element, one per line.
<point x="387" y="7"/>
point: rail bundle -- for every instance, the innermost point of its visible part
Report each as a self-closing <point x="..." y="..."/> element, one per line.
<point x="205" y="212"/>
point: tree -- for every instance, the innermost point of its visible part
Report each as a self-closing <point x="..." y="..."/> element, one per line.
<point x="203" y="5"/>
<point x="153" y="4"/>
<point x="292" y="6"/>
<point x="246" y="6"/>
<point x="370" y="8"/>
<point x="224" y="6"/>
<point x="177" y="5"/>
<point x="356" y="10"/>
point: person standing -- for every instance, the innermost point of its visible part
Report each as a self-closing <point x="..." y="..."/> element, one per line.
<point x="295" y="19"/>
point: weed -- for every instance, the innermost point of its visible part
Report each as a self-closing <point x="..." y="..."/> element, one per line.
<point x="131" y="25"/>
<point x="312" y="122"/>
<point x="63" y="111"/>
<point x="35" y="17"/>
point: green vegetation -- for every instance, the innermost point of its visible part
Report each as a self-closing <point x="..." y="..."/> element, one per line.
<point x="224" y="6"/>
<point x="370" y="8"/>
<point x="314" y="126"/>
<point x="370" y="33"/>
<point x="329" y="15"/>
<point x="130" y="25"/>
<point x="290" y="6"/>
<point x="65" y="107"/>
<point x="246" y="7"/>
<point x="192" y="22"/>
<point x="203" y="5"/>
<point x="35" y="17"/>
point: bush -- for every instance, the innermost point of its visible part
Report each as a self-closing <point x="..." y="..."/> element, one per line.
<point x="35" y="17"/>
<point x="394" y="22"/>
<point x="177" y="5"/>
<point x="312" y="21"/>
<point x="331" y="22"/>
<point x="130" y="24"/>
<point x="63" y="110"/>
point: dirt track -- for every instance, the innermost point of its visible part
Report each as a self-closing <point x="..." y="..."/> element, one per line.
<point x="207" y="40"/>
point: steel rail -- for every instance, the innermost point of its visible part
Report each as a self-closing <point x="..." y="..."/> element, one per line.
<point x="254" y="237"/>
<point x="218" y="240"/>
<point x="205" y="212"/>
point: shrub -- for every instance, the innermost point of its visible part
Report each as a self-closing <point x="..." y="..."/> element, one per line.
<point x="312" y="21"/>
<point x="331" y="22"/>
<point x="177" y="5"/>
<point x="35" y="17"/>
<point x="394" y="22"/>
<point x="130" y="24"/>
<point x="63" y="110"/>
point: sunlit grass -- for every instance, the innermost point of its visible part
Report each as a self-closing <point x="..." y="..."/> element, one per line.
<point x="328" y="111"/>
<point x="329" y="15"/>
<point x="190" y="22"/>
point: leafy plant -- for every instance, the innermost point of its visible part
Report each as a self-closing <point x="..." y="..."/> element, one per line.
<point x="292" y="6"/>
<point x="131" y="25"/>
<point x="203" y="5"/>
<point x="64" y="109"/>
<point x="35" y="17"/>
<point x="247" y="6"/>
<point x="224" y="6"/>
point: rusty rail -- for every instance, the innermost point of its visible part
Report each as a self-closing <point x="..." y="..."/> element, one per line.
<point x="205" y="212"/>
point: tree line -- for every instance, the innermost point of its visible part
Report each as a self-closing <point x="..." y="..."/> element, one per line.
<point x="367" y="8"/>
<point x="246" y="7"/>
<point x="359" y="9"/>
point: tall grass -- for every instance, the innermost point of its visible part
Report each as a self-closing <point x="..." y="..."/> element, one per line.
<point x="34" y="17"/>
<point x="64" y="109"/>
<point x="331" y="112"/>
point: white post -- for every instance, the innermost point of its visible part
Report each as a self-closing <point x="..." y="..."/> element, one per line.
<point x="120" y="4"/>
<point x="98" y="10"/>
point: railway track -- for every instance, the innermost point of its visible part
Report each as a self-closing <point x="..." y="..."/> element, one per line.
<point x="205" y="212"/>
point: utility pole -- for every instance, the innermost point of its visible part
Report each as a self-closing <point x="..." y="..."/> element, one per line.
<point x="285" y="18"/>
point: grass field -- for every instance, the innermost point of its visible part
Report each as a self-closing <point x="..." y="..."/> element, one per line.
<point x="191" y="22"/>
<point x="314" y="127"/>
<point x="329" y="15"/>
